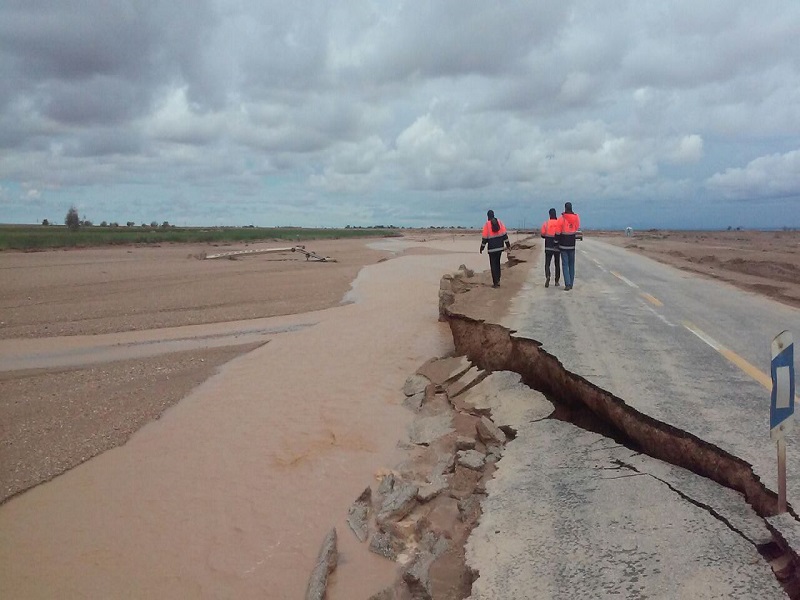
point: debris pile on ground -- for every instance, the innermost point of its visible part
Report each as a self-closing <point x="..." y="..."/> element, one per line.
<point x="420" y="513"/>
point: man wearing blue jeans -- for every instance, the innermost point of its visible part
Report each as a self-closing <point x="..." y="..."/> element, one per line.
<point x="568" y="224"/>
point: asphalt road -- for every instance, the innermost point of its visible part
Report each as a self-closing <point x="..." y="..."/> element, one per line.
<point x="686" y="350"/>
<point x="573" y="514"/>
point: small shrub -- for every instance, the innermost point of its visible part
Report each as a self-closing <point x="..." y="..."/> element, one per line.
<point x="72" y="220"/>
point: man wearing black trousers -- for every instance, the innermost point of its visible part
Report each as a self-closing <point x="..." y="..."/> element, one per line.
<point x="551" y="249"/>
<point x="494" y="235"/>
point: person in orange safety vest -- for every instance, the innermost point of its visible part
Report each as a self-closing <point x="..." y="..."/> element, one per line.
<point x="494" y="235"/>
<point x="552" y="252"/>
<point x="568" y="225"/>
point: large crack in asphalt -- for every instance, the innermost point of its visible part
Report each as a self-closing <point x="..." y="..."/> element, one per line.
<point x="688" y="498"/>
<point x="493" y="347"/>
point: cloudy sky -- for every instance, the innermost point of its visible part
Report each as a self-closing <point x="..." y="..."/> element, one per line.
<point x="657" y="113"/>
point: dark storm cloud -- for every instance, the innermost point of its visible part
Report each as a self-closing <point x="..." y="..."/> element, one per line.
<point x="75" y="59"/>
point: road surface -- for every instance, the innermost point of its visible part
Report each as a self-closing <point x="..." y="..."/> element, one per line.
<point x="683" y="349"/>
<point x="571" y="513"/>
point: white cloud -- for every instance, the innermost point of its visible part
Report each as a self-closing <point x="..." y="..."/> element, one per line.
<point x="773" y="176"/>
<point x="689" y="150"/>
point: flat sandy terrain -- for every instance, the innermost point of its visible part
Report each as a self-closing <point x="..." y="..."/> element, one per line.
<point x="54" y="419"/>
<point x="765" y="262"/>
<point x="229" y="491"/>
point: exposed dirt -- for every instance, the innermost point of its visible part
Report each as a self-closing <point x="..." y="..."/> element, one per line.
<point x="765" y="262"/>
<point x="51" y="421"/>
<point x="104" y="290"/>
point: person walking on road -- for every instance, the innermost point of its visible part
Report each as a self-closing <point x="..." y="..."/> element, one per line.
<point x="551" y="250"/>
<point x="495" y="236"/>
<point x="568" y="224"/>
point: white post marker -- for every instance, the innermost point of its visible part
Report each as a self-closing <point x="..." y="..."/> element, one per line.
<point x="781" y="410"/>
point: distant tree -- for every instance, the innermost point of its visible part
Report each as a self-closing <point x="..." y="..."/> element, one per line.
<point x="72" y="220"/>
<point x="45" y="222"/>
<point x="130" y="224"/>
<point x="153" y="223"/>
<point x="729" y="227"/>
<point x="165" y="224"/>
<point x="115" y="224"/>
<point x="103" y="224"/>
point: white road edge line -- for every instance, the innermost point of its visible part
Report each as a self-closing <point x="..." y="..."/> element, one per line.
<point x="624" y="279"/>
<point x="658" y="314"/>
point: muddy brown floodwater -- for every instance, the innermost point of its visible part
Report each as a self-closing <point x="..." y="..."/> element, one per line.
<point x="230" y="492"/>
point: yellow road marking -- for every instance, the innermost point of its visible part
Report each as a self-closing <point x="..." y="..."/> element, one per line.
<point x="652" y="299"/>
<point x="751" y="370"/>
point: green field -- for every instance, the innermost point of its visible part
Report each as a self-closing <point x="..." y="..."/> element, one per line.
<point x="40" y="237"/>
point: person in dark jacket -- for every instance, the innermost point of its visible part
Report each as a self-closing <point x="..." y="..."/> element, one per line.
<point x="568" y="224"/>
<point x="551" y="250"/>
<point x="494" y="235"/>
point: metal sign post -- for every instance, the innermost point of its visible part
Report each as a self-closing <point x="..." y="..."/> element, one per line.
<point x="781" y="410"/>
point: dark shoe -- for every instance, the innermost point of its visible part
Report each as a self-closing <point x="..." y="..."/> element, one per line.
<point x="557" y="284"/>
<point x="495" y="285"/>
<point x="547" y="282"/>
<point x="567" y="288"/>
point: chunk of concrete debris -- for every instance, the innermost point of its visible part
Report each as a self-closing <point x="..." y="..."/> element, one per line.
<point x="428" y="492"/>
<point x="464" y="442"/>
<point x="510" y="402"/>
<point x="415" y="402"/>
<point x="489" y="432"/>
<point x="415" y="384"/>
<point x="388" y="480"/>
<point x="417" y="576"/>
<point x="444" y="465"/>
<point x="469" y="509"/>
<point x="465" y="381"/>
<point x="425" y="430"/>
<point x="465" y="271"/>
<point x="399" y="501"/>
<point x="327" y="559"/>
<point x="385" y="544"/>
<point x="442" y="371"/>
<point x="471" y="459"/>
<point x="358" y="515"/>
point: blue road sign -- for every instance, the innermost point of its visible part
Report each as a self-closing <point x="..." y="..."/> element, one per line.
<point x="781" y="410"/>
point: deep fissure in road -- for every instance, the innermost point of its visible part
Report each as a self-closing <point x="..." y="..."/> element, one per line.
<point x="494" y="348"/>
